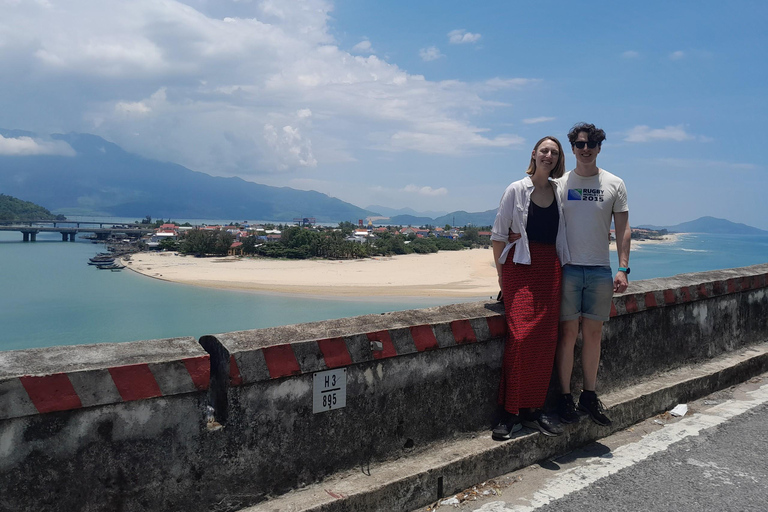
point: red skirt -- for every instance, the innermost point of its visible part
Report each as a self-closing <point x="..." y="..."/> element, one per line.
<point x="532" y="310"/>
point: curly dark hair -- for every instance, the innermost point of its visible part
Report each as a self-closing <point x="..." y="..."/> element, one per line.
<point x="593" y="133"/>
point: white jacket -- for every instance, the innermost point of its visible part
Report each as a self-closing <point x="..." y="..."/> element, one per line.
<point x="513" y="213"/>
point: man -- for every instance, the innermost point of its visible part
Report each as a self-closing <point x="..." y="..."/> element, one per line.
<point x="592" y="197"/>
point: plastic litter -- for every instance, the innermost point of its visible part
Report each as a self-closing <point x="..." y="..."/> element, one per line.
<point x="679" y="410"/>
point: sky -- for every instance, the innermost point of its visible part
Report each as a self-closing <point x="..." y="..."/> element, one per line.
<point x="429" y="105"/>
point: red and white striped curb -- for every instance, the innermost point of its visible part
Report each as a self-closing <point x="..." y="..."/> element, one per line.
<point x="635" y="302"/>
<point x="289" y="359"/>
<point x="26" y="395"/>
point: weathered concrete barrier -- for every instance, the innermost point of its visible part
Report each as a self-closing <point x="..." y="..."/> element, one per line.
<point x="103" y="427"/>
<point x="298" y="403"/>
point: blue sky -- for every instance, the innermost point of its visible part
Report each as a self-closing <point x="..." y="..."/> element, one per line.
<point x="430" y="105"/>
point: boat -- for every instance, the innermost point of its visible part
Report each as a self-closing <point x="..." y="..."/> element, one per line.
<point x="112" y="267"/>
<point x="109" y="261"/>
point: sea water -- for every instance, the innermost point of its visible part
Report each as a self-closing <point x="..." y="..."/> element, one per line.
<point x="49" y="295"/>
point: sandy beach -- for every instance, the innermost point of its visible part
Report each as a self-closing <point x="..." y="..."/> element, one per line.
<point x="665" y="239"/>
<point x="467" y="273"/>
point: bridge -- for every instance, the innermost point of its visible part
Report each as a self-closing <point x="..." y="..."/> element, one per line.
<point x="70" y="228"/>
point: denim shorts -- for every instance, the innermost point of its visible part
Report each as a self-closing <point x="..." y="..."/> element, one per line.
<point x="587" y="292"/>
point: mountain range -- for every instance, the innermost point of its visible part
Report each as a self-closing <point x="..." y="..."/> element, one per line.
<point x="711" y="225"/>
<point x="101" y="179"/>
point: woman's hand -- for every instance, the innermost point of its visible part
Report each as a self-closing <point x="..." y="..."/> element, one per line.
<point x="513" y="237"/>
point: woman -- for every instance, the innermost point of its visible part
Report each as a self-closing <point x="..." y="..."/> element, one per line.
<point x="529" y="275"/>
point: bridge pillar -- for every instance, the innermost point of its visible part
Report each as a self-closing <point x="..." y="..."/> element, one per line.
<point x="29" y="235"/>
<point x="64" y="236"/>
<point x="72" y="237"/>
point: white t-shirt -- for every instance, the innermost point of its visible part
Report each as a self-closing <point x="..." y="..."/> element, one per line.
<point x="588" y="204"/>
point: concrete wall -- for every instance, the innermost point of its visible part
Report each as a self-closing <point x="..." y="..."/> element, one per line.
<point x="223" y="423"/>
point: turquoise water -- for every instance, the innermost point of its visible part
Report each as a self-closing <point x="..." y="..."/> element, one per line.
<point x="50" y="296"/>
<point x="695" y="253"/>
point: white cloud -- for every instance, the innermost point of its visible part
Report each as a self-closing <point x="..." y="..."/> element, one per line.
<point x="243" y="88"/>
<point x="363" y="47"/>
<point x="144" y="107"/>
<point x="136" y="107"/>
<point x="27" y="146"/>
<point x="292" y="147"/>
<point x="425" y="191"/>
<point x="431" y="53"/>
<point x="461" y="36"/>
<point x="630" y="54"/>
<point x="676" y="55"/>
<point x="644" y="133"/>
<point x="536" y="120"/>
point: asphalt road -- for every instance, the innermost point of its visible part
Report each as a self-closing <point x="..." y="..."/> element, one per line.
<point x="715" y="458"/>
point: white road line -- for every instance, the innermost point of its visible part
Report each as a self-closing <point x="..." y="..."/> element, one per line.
<point x="578" y="478"/>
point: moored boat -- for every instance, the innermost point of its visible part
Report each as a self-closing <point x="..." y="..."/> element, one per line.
<point x="101" y="261"/>
<point x="112" y="266"/>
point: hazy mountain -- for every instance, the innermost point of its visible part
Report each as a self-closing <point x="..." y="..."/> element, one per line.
<point x="462" y="218"/>
<point x="710" y="225"/>
<point x="391" y="212"/>
<point x="407" y="220"/>
<point x="103" y="179"/>
<point x="459" y="218"/>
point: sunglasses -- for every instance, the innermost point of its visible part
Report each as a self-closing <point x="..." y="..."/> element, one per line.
<point x="591" y="144"/>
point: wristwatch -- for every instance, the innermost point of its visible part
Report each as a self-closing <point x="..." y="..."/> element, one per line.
<point x="624" y="269"/>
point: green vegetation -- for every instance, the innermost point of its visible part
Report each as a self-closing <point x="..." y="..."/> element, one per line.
<point x="205" y="242"/>
<point x="13" y="209"/>
<point x="298" y="242"/>
<point x="648" y="234"/>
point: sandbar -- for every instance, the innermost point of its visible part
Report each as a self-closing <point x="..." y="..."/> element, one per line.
<point x="466" y="273"/>
<point x="460" y="274"/>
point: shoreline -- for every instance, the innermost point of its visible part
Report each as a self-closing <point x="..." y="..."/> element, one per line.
<point x="468" y="273"/>
<point x="669" y="238"/>
<point x="446" y="274"/>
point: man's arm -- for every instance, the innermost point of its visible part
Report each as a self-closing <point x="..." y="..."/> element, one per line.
<point x="623" y="240"/>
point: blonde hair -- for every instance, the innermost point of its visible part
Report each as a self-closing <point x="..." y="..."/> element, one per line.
<point x="559" y="169"/>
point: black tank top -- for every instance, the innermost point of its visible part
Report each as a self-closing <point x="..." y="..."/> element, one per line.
<point x="542" y="223"/>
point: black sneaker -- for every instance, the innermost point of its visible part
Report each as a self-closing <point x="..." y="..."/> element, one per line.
<point x="544" y="425"/>
<point x="505" y="429"/>
<point x="589" y="403"/>
<point x="567" y="410"/>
